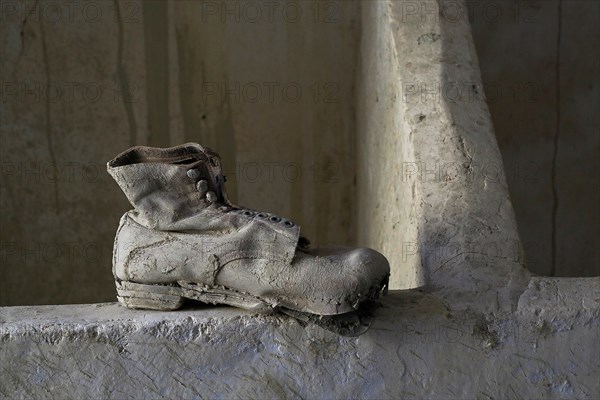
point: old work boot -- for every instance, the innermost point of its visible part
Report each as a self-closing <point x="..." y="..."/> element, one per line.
<point x="185" y="239"/>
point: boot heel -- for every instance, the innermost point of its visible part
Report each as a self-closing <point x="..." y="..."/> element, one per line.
<point x="151" y="297"/>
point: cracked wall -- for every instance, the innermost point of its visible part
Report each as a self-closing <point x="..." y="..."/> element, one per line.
<point x="540" y="66"/>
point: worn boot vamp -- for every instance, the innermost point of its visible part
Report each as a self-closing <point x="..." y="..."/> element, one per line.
<point x="153" y="256"/>
<point x="322" y="281"/>
<point x="251" y="259"/>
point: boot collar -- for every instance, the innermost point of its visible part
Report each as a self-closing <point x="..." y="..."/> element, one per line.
<point x="182" y="189"/>
<point x="188" y="152"/>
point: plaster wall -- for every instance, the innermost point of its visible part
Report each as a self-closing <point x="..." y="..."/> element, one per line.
<point x="270" y="87"/>
<point x="343" y="159"/>
<point x="389" y="209"/>
<point x="540" y="62"/>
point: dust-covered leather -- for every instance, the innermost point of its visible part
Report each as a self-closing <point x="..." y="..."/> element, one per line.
<point x="181" y="231"/>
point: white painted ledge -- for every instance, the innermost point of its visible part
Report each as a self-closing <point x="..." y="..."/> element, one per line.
<point x="418" y="347"/>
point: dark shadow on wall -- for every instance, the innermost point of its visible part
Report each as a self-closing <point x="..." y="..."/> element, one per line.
<point x="540" y="65"/>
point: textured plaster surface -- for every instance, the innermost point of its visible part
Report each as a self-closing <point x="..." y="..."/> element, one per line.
<point x="384" y="147"/>
<point x="419" y="347"/>
<point x="422" y="106"/>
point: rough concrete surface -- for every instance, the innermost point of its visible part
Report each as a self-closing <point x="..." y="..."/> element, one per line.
<point x="419" y="347"/>
<point x="428" y="146"/>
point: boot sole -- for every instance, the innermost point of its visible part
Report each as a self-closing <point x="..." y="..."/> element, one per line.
<point x="172" y="297"/>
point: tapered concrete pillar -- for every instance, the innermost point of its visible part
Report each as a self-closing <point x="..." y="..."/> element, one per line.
<point x="433" y="193"/>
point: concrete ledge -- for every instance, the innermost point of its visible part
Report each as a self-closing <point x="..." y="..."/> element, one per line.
<point x="417" y="348"/>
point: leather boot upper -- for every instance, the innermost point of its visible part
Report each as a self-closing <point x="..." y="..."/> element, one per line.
<point x="163" y="186"/>
<point x="183" y="228"/>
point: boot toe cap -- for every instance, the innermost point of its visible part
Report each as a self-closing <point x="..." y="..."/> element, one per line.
<point x="372" y="271"/>
<point x="346" y="277"/>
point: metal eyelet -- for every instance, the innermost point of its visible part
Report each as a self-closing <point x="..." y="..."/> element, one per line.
<point x="262" y="215"/>
<point x="274" y="219"/>
<point x="248" y="213"/>
<point x="287" y="223"/>
<point x="193" y="173"/>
